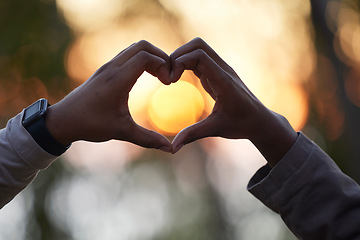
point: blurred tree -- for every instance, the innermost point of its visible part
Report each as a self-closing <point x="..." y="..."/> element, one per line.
<point x="33" y="42"/>
<point x="337" y="118"/>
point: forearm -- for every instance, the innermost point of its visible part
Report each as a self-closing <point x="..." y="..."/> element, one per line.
<point x="20" y="159"/>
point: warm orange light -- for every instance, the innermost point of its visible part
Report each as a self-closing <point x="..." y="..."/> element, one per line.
<point x="77" y="64"/>
<point x="349" y="33"/>
<point x="290" y="100"/>
<point x="140" y="96"/>
<point x="175" y="107"/>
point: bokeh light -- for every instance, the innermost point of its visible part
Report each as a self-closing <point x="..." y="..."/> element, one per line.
<point x="296" y="106"/>
<point x="349" y="32"/>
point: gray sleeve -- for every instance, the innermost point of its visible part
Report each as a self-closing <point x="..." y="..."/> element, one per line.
<point x="314" y="198"/>
<point x="20" y="159"/>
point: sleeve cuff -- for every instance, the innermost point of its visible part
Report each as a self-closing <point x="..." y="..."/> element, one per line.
<point x="25" y="145"/>
<point x="268" y="180"/>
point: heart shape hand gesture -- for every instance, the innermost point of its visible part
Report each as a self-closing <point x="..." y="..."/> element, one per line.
<point x="98" y="109"/>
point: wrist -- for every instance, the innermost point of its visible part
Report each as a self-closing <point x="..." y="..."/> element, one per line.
<point x="274" y="138"/>
<point x="56" y="123"/>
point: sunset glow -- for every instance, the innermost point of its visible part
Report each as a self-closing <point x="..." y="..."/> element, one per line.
<point x="175" y="107"/>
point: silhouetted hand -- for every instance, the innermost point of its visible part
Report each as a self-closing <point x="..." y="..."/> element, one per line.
<point x="237" y="113"/>
<point x="98" y="109"/>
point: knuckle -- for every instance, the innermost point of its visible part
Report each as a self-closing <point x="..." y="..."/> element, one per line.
<point x="143" y="44"/>
<point x="198" y="41"/>
<point x="144" y="56"/>
<point x="103" y="67"/>
<point x="200" y="53"/>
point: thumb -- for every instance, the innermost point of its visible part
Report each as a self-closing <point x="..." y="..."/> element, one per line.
<point x="205" y="128"/>
<point x="149" y="139"/>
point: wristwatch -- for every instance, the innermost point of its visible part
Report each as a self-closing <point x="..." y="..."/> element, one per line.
<point x="34" y="122"/>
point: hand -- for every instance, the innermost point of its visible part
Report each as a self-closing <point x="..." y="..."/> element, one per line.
<point x="237" y="113"/>
<point x="98" y="109"/>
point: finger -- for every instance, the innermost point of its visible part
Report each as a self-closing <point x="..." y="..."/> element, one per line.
<point x="211" y="74"/>
<point x="206" y="86"/>
<point x="133" y="49"/>
<point x="143" y="61"/>
<point x="140" y="46"/>
<point x="149" y="139"/>
<point x="122" y="51"/>
<point x="198" y="43"/>
<point x="199" y="130"/>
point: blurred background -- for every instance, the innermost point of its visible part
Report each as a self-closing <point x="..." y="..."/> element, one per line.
<point x="301" y="58"/>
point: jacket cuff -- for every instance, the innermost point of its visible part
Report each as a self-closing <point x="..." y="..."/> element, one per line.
<point x="267" y="181"/>
<point x="25" y="146"/>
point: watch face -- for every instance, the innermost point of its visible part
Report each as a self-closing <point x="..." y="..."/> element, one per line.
<point x="34" y="112"/>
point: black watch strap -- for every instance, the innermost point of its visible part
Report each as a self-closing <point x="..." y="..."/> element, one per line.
<point x="44" y="139"/>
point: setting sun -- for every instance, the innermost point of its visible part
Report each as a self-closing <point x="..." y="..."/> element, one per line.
<point x="175" y="107"/>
